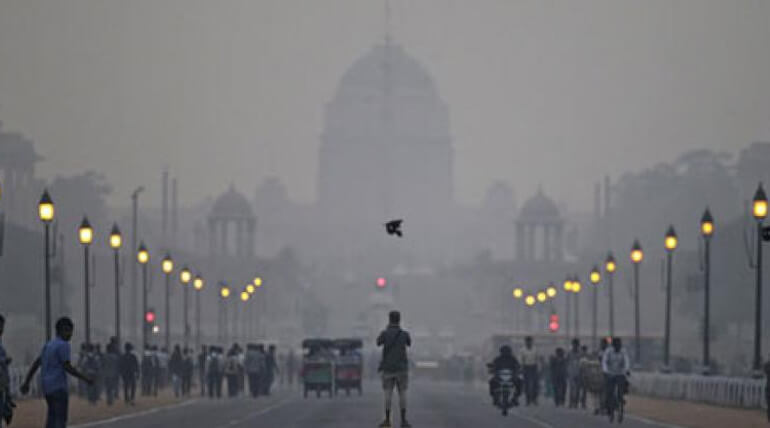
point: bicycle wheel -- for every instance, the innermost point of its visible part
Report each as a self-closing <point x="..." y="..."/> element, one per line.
<point x="621" y="405"/>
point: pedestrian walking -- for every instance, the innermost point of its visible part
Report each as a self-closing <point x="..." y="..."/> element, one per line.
<point x="111" y="372"/>
<point x="175" y="369"/>
<point x="254" y="363"/>
<point x="202" y="370"/>
<point x="129" y="371"/>
<point x="188" y="367"/>
<point x="92" y="368"/>
<point x="558" y="369"/>
<point x="530" y="361"/>
<point x="573" y="373"/>
<point x="291" y="367"/>
<point x="214" y="372"/>
<point x="54" y="362"/>
<point x="271" y="366"/>
<point x="231" y="373"/>
<point x="394" y="366"/>
<point x="147" y="372"/>
<point x="6" y="404"/>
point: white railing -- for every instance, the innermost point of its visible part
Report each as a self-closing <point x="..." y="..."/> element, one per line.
<point x="723" y="391"/>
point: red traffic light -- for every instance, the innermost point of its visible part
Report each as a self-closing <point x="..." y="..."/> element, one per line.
<point x="149" y="317"/>
<point x="553" y="325"/>
<point x="382" y="282"/>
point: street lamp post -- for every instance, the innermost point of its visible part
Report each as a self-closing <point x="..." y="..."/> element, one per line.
<point x="46" y="213"/>
<point x="567" y="301"/>
<point x="707" y="231"/>
<point x="759" y="210"/>
<point x="224" y="293"/>
<point x="132" y="307"/>
<point x="143" y="257"/>
<point x="198" y="284"/>
<point x="116" y="241"/>
<point x="610" y="266"/>
<point x="595" y="278"/>
<point x="185" y="276"/>
<point x="637" y="256"/>
<point x="576" y="288"/>
<point x="167" y="265"/>
<point x="86" y="236"/>
<point x="671" y="243"/>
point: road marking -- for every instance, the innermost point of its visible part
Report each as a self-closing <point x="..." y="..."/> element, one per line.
<point x="260" y="412"/>
<point x="535" y="421"/>
<point x="135" y="415"/>
<point x="651" y="422"/>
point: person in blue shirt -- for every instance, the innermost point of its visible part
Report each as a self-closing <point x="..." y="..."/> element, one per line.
<point x="54" y="360"/>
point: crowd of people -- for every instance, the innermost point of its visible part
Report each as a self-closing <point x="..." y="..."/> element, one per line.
<point x="568" y="377"/>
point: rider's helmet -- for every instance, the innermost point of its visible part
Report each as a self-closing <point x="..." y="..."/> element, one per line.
<point x="505" y="350"/>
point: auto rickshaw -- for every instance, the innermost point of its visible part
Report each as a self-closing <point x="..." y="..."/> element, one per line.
<point x="348" y="369"/>
<point x="318" y="366"/>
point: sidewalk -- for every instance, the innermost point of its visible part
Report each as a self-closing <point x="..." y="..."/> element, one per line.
<point x="694" y="415"/>
<point x="31" y="413"/>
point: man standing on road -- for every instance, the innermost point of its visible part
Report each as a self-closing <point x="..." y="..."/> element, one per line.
<point x="394" y="366"/>
<point x="55" y="363"/>
<point x="6" y="405"/>
<point x="573" y="374"/>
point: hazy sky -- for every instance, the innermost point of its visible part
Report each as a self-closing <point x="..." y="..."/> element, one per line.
<point x="551" y="92"/>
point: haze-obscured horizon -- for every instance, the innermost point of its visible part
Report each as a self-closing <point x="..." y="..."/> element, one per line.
<point x="551" y="93"/>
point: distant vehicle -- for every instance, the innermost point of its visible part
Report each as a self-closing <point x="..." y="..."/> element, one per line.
<point x="348" y="370"/>
<point x="318" y="366"/>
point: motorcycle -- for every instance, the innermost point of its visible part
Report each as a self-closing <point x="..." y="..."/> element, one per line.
<point x="505" y="392"/>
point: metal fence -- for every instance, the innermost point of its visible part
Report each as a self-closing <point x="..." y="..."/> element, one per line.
<point x="719" y="390"/>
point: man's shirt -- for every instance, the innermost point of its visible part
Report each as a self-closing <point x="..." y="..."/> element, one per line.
<point x="394" y="342"/>
<point x="529" y="356"/>
<point x="615" y="363"/>
<point x="53" y="376"/>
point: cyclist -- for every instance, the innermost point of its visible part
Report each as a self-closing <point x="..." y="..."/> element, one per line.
<point x="616" y="367"/>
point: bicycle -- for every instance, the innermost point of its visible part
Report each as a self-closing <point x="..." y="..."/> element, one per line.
<point x="616" y="398"/>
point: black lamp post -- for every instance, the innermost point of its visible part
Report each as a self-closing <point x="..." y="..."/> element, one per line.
<point x="167" y="265"/>
<point x="610" y="266"/>
<point x="707" y="231"/>
<point x="116" y="241"/>
<point x="86" y="236"/>
<point x="595" y="278"/>
<point x="759" y="210"/>
<point x="198" y="284"/>
<point x="671" y="242"/>
<point x="46" y="213"/>
<point x="185" y="277"/>
<point x="143" y="257"/>
<point x="637" y="256"/>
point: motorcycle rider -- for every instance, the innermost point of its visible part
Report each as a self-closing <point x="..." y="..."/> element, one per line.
<point x="504" y="361"/>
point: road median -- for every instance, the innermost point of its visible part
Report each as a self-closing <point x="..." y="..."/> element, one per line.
<point x="694" y="415"/>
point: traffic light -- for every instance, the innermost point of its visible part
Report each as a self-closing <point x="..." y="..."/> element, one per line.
<point x="382" y="282"/>
<point x="553" y="325"/>
<point x="149" y="317"/>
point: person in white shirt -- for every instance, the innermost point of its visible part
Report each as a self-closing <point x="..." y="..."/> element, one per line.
<point x="529" y="361"/>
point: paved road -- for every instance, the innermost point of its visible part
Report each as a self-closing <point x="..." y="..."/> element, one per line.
<point x="432" y="406"/>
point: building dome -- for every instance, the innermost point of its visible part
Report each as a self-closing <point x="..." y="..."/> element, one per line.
<point x="386" y="92"/>
<point x="232" y="204"/>
<point x="539" y="208"/>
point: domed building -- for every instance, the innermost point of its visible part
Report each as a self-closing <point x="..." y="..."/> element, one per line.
<point x="540" y="230"/>
<point x="385" y="150"/>
<point x="232" y="226"/>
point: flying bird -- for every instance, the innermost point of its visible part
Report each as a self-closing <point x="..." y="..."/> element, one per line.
<point x="394" y="227"/>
